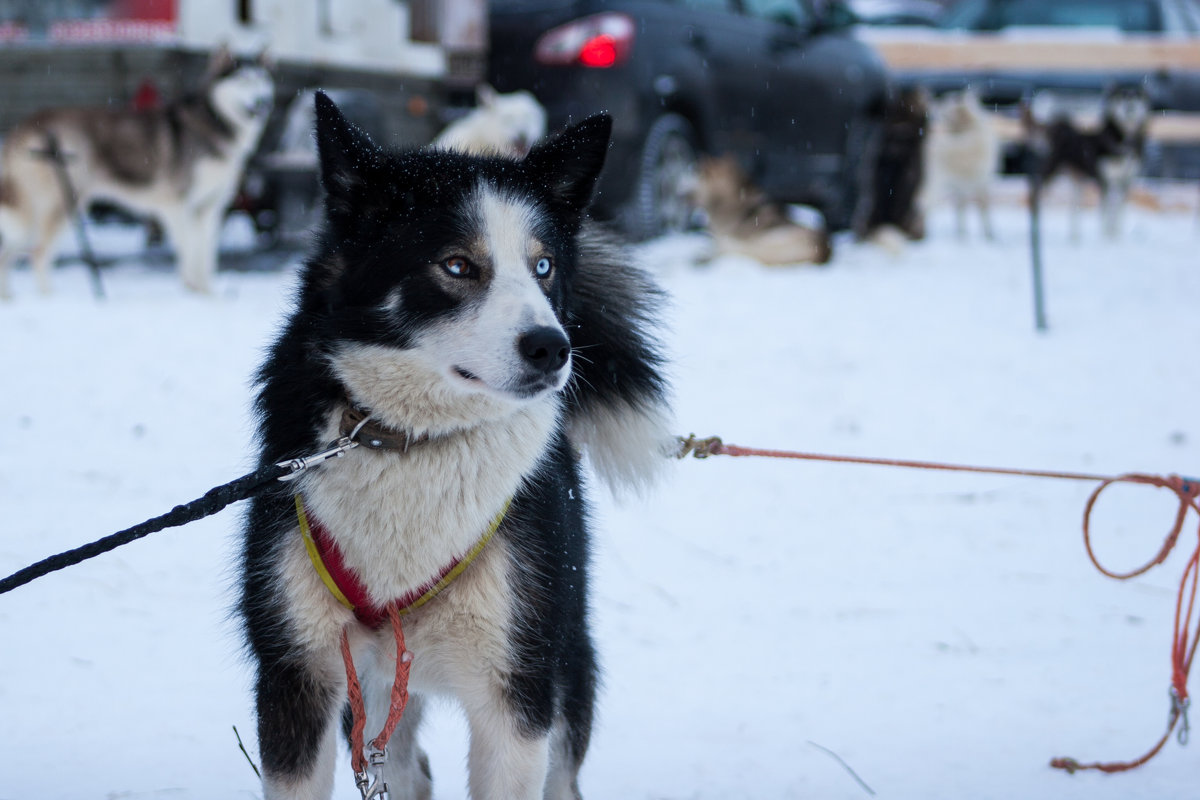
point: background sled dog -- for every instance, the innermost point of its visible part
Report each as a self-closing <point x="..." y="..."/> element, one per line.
<point x="1108" y="156"/>
<point x="180" y="164"/>
<point x="501" y="124"/>
<point x="461" y="304"/>
<point x="744" y="222"/>
<point x="891" y="212"/>
<point x="962" y="154"/>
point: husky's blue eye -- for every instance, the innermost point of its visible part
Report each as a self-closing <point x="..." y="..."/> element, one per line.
<point x="459" y="267"/>
<point x="543" y="267"/>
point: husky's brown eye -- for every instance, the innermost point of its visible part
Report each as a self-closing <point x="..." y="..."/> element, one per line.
<point x="459" y="267"/>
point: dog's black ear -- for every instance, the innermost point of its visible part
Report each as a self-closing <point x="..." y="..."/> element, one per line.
<point x="344" y="150"/>
<point x="570" y="163"/>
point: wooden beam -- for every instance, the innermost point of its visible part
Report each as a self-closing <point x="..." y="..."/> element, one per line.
<point x="1174" y="127"/>
<point x="916" y="52"/>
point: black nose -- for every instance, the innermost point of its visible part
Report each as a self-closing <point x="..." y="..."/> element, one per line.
<point x="546" y="349"/>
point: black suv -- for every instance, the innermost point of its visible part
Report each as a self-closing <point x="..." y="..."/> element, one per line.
<point x="785" y="88"/>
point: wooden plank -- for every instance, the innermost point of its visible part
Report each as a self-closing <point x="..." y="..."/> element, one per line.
<point x="981" y="53"/>
<point x="1173" y="127"/>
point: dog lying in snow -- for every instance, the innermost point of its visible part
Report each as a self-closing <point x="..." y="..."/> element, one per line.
<point x="743" y="221"/>
<point x="501" y="124"/>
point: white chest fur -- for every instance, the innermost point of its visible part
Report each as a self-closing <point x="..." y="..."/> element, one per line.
<point x="400" y="518"/>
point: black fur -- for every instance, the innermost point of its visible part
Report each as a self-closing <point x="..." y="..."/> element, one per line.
<point x="899" y="168"/>
<point x="388" y="216"/>
<point x="549" y="557"/>
<point x="1066" y="148"/>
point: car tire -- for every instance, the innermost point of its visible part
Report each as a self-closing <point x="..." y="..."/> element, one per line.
<point x="858" y="170"/>
<point x="659" y="202"/>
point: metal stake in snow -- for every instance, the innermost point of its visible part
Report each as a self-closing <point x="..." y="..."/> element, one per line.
<point x="1033" y="164"/>
<point x="1033" y="168"/>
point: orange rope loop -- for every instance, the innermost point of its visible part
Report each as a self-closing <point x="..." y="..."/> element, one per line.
<point x="1183" y="642"/>
<point x="358" y="713"/>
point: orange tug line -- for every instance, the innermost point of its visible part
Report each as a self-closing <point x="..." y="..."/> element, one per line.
<point x="1183" y="641"/>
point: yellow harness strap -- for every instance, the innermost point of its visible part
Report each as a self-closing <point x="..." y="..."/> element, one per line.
<point x="325" y="552"/>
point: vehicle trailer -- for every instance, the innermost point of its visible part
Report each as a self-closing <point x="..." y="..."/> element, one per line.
<point x="412" y="67"/>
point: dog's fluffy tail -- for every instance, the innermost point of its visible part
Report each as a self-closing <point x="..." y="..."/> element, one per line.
<point x="618" y="408"/>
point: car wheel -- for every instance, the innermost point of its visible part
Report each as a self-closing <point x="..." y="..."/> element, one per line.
<point x="660" y="201"/>
<point x="863" y="139"/>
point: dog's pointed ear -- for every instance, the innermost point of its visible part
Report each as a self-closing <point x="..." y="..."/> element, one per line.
<point x="570" y="163"/>
<point x="485" y="95"/>
<point x="343" y="149"/>
<point x="220" y="61"/>
<point x="265" y="59"/>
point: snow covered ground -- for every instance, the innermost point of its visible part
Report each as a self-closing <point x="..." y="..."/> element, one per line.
<point x="942" y="635"/>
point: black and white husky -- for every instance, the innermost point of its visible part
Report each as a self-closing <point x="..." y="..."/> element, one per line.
<point x="180" y="164"/>
<point x="464" y="310"/>
<point x="1109" y="156"/>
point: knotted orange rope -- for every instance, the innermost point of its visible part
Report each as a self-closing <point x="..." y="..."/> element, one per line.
<point x="1183" y="643"/>
<point x="399" y="698"/>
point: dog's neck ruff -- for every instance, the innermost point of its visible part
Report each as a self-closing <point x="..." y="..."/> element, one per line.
<point x="345" y="585"/>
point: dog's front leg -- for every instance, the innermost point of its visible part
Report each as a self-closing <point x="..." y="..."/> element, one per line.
<point x="1112" y="202"/>
<point x="984" y="202"/>
<point x="1076" y="209"/>
<point x="297" y="730"/>
<point x="505" y="762"/>
<point x="198" y="267"/>
<point x="406" y="771"/>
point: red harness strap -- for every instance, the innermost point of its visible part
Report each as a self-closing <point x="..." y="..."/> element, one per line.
<point x="348" y="588"/>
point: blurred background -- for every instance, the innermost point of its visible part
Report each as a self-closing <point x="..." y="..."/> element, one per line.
<point x="798" y="91"/>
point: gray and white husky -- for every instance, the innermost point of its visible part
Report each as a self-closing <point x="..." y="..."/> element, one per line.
<point x="180" y="164"/>
<point x="460" y="319"/>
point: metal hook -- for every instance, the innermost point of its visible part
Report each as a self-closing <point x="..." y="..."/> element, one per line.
<point x="298" y="465"/>
<point x="370" y="781"/>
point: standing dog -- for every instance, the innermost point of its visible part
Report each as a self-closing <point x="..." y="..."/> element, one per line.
<point x="462" y="307"/>
<point x="1109" y="156"/>
<point x="743" y="221"/>
<point x="962" y="154"/>
<point x="180" y="164"/>
<point x="891" y="203"/>
<point x="501" y="124"/>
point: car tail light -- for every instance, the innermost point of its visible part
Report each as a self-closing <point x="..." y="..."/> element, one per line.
<point x="601" y="41"/>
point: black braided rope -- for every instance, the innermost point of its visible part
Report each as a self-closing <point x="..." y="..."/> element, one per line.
<point x="213" y="501"/>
